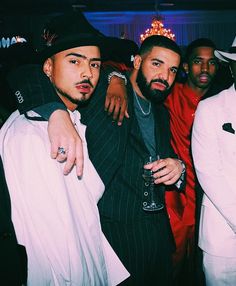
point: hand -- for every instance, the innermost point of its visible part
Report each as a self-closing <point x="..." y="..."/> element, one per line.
<point x="63" y="134"/>
<point x="116" y="99"/>
<point x="166" y="171"/>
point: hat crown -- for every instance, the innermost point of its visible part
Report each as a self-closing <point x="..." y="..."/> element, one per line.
<point x="66" y="26"/>
<point x="68" y="31"/>
<point x="227" y="56"/>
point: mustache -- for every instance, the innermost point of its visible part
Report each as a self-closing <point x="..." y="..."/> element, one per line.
<point x="87" y="81"/>
<point x="205" y="73"/>
<point x="160" y="81"/>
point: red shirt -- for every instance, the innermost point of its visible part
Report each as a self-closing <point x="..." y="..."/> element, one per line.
<point x="182" y="104"/>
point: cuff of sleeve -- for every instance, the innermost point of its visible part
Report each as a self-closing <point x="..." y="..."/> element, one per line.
<point x="179" y="183"/>
<point x="118" y="74"/>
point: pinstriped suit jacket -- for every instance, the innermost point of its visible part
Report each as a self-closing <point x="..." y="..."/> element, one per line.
<point x="118" y="154"/>
<point x="124" y="195"/>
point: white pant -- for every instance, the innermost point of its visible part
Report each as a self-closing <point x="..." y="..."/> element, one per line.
<point x="219" y="271"/>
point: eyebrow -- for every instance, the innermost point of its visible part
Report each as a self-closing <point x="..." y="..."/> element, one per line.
<point x="156" y="59"/>
<point x="202" y="58"/>
<point x="162" y="62"/>
<point x="83" y="57"/>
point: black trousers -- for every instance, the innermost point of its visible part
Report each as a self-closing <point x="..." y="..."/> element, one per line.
<point x="145" y="248"/>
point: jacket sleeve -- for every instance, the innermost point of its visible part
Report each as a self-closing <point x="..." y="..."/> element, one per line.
<point x="32" y="89"/>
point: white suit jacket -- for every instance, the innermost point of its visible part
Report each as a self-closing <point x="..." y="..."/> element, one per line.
<point x="214" y="155"/>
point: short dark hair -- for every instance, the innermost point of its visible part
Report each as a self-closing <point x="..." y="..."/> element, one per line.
<point x="201" y="42"/>
<point x="158" y="41"/>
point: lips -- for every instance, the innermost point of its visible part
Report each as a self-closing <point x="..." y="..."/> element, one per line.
<point x="83" y="87"/>
<point x="159" y="86"/>
<point x="204" y="78"/>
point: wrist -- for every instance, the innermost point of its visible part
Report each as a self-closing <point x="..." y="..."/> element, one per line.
<point x="183" y="166"/>
<point x="118" y="75"/>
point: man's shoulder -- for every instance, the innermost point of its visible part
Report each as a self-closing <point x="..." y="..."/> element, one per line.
<point x="18" y="128"/>
<point x="219" y="98"/>
<point x="176" y="92"/>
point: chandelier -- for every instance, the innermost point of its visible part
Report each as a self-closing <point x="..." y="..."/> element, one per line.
<point x="157" y="29"/>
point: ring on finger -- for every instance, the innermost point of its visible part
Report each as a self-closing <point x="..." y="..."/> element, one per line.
<point x="61" y="150"/>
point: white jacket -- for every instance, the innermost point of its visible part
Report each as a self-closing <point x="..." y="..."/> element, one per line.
<point x="214" y="154"/>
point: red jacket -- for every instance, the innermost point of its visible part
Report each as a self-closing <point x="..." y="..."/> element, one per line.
<point x="182" y="104"/>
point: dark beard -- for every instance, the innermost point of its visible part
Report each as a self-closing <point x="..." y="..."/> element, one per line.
<point x="154" y="95"/>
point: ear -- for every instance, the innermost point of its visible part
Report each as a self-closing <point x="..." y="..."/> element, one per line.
<point x="137" y="62"/>
<point x="47" y="67"/>
<point x="186" y="67"/>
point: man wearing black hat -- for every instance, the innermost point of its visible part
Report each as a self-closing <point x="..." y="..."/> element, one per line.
<point x="214" y="156"/>
<point x="57" y="219"/>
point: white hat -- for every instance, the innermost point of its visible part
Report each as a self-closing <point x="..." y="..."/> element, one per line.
<point x="226" y="56"/>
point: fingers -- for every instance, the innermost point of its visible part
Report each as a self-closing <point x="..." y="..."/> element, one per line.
<point x="74" y="157"/>
<point x="111" y="106"/>
<point x="79" y="159"/>
<point x="123" y="112"/>
<point x="57" y="151"/>
<point x="54" y="149"/>
<point x="66" y="144"/>
<point x="70" y="159"/>
<point x="126" y="113"/>
<point x="107" y="102"/>
<point x="165" y="171"/>
<point x="118" y="109"/>
<point x="168" y="179"/>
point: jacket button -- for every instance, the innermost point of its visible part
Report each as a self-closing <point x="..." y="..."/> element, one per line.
<point x="146" y="184"/>
<point x="145" y="194"/>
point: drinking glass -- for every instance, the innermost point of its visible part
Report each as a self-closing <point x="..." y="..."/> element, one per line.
<point x="153" y="201"/>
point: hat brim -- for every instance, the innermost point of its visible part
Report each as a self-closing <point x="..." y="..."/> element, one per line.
<point x="73" y="42"/>
<point x="224" y="56"/>
<point x="111" y="48"/>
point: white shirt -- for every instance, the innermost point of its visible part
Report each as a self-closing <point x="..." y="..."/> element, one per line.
<point x="56" y="216"/>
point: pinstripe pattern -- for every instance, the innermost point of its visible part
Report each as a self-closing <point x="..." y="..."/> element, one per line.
<point x="143" y="248"/>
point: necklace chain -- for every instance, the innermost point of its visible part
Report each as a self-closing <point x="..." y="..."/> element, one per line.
<point x="143" y="112"/>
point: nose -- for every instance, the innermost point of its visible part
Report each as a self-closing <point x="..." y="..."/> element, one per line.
<point x="86" y="71"/>
<point x="164" y="74"/>
<point x="204" y="67"/>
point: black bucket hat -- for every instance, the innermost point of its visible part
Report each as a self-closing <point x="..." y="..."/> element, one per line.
<point x="68" y="31"/>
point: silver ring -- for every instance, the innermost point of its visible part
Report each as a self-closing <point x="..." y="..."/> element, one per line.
<point x="61" y="150"/>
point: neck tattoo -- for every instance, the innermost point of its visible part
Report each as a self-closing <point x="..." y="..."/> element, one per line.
<point x="140" y="107"/>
